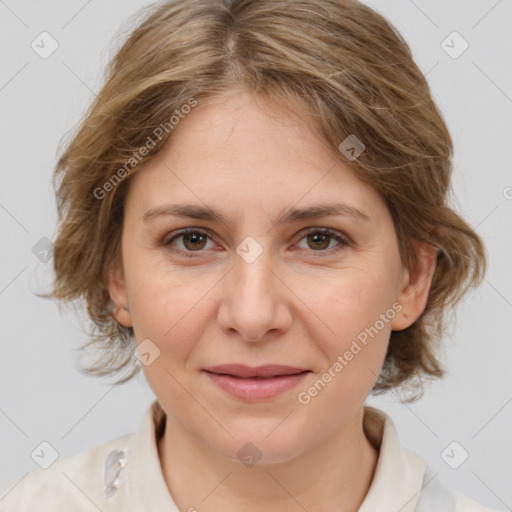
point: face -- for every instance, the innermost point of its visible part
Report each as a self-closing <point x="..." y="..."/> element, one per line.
<point x="255" y="287"/>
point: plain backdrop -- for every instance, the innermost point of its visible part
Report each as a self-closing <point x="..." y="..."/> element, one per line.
<point x="43" y="396"/>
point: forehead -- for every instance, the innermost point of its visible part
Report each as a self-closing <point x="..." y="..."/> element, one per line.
<point x="243" y="151"/>
<point x="248" y="132"/>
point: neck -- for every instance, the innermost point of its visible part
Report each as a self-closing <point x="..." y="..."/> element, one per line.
<point x="332" y="476"/>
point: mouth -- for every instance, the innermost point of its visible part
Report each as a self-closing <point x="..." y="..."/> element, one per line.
<point x="247" y="372"/>
<point x="255" y="384"/>
<point x="254" y="378"/>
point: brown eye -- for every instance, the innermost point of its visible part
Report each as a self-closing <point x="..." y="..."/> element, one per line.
<point x="189" y="241"/>
<point x="192" y="240"/>
<point x="319" y="240"/>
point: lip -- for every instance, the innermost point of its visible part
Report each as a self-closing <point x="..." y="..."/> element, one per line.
<point x="259" y="387"/>
<point x="268" y="370"/>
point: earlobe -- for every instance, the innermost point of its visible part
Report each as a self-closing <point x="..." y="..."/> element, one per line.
<point x="416" y="284"/>
<point x="118" y="295"/>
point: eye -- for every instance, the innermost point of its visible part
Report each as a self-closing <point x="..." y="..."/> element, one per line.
<point x="193" y="240"/>
<point x="319" y="239"/>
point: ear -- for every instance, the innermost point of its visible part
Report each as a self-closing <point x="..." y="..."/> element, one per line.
<point x="118" y="295"/>
<point x="415" y="286"/>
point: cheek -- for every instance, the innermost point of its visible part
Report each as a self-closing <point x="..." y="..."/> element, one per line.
<point x="169" y="307"/>
<point x="174" y="319"/>
<point x="354" y="348"/>
<point x="358" y="312"/>
<point x="355" y="301"/>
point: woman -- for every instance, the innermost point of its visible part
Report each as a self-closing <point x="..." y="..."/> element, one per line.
<point x="255" y="211"/>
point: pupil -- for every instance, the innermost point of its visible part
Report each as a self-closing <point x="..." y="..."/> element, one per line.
<point x="323" y="238"/>
<point x="194" y="238"/>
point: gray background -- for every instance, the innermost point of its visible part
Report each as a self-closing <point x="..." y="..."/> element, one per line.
<point x="44" y="397"/>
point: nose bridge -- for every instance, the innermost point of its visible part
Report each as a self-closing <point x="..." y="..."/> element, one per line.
<point x="251" y="303"/>
<point x="252" y="276"/>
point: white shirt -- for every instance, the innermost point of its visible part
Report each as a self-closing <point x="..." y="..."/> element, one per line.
<point x="136" y="483"/>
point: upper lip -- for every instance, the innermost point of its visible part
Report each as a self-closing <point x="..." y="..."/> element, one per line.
<point x="241" y="370"/>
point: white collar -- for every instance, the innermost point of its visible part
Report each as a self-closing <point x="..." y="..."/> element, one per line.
<point x="396" y="483"/>
<point x="146" y="488"/>
<point x="398" y="477"/>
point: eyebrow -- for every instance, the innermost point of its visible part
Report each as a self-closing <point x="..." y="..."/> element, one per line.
<point x="290" y="215"/>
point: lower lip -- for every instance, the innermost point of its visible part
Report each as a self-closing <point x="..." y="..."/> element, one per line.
<point x="256" y="389"/>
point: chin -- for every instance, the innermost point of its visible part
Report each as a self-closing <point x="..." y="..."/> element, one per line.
<point x="256" y="446"/>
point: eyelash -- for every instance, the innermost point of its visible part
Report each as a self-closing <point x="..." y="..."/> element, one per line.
<point x="343" y="241"/>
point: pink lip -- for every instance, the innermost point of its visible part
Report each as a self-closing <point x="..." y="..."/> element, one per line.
<point x="256" y="388"/>
<point x="268" y="370"/>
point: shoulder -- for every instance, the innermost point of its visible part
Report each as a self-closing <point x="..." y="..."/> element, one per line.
<point x="73" y="483"/>
<point x="465" y="504"/>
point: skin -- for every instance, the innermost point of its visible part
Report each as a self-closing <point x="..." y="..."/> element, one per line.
<point x="300" y="303"/>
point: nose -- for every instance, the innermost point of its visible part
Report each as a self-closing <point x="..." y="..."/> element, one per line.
<point x="255" y="302"/>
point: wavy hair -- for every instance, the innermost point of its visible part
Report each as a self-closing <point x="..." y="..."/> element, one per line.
<point x="338" y="61"/>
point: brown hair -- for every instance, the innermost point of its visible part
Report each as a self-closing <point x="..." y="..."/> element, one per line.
<point x="344" y="66"/>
